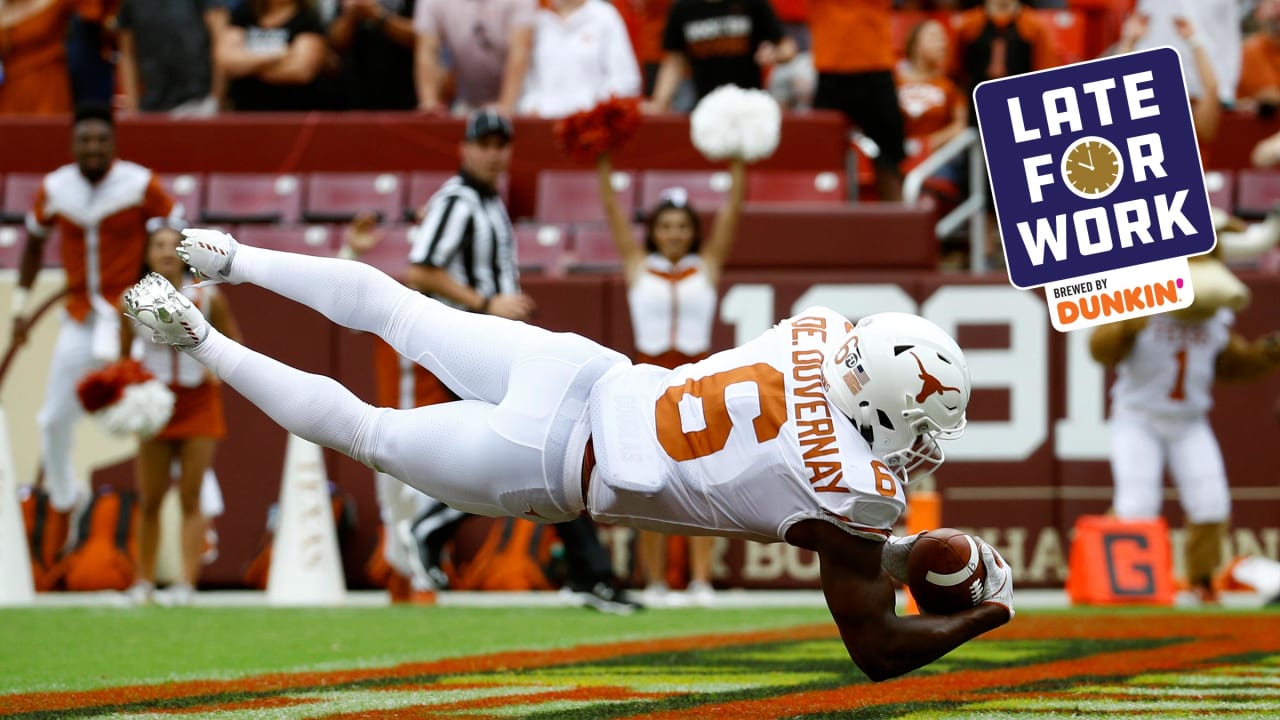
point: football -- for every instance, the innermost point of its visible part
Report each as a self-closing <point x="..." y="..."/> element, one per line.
<point x="945" y="571"/>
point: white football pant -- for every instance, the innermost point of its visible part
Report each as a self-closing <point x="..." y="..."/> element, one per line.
<point x="1143" y="446"/>
<point x="512" y="446"/>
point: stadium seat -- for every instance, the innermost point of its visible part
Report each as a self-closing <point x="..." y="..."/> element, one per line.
<point x="18" y="196"/>
<point x="706" y="190"/>
<point x="1221" y="185"/>
<point x="252" y="198"/>
<point x="542" y="248"/>
<point x="391" y="256"/>
<point x="305" y="239"/>
<point x="338" y="197"/>
<point x="1067" y="28"/>
<point x="593" y="249"/>
<point x="796" y="186"/>
<point x="422" y="185"/>
<point x="1257" y="191"/>
<point x="571" y="196"/>
<point x="187" y="189"/>
<point x="11" y="240"/>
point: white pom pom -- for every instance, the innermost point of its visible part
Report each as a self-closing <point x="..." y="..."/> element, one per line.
<point x="144" y="408"/>
<point x="732" y="122"/>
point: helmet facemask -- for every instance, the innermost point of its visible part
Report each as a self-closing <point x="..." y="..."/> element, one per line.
<point x="925" y="454"/>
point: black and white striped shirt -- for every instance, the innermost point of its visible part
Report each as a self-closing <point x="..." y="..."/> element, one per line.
<point x="467" y="232"/>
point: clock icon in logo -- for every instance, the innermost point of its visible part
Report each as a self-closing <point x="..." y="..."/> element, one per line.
<point x="1092" y="167"/>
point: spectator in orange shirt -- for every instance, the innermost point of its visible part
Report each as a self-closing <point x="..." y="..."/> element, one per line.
<point x="34" y="79"/>
<point x="933" y="109"/>
<point x="1260" y="66"/>
<point x="853" y="54"/>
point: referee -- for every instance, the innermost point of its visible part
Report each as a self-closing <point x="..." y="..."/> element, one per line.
<point x="464" y="251"/>
<point x="464" y="254"/>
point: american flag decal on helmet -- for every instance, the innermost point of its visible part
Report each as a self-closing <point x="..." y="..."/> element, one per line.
<point x="855" y="378"/>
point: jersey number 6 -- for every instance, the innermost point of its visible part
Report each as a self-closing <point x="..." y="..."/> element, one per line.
<point x="680" y="445"/>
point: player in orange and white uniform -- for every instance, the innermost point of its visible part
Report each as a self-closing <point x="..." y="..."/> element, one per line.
<point x="188" y="440"/>
<point x="1165" y="369"/>
<point x="671" y="293"/>
<point x="100" y="208"/>
<point x="803" y="435"/>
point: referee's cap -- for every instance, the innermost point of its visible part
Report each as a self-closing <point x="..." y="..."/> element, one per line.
<point x="484" y="122"/>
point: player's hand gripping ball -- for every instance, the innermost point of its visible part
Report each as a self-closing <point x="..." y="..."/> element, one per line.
<point x="945" y="571"/>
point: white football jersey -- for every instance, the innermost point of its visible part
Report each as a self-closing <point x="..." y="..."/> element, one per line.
<point x="1170" y="370"/>
<point x="741" y="444"/>
<point x="672" y="306"/>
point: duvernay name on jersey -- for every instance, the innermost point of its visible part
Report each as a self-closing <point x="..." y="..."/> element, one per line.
<point x="815" y="427"/>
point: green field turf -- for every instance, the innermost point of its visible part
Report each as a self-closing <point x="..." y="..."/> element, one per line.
<point x="569" y="663"/>
<point x="85" y="648"/>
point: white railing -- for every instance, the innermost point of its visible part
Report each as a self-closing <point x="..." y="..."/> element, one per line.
<point x="973" y="208"/>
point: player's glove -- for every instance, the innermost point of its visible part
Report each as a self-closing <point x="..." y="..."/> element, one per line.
<point x="998" y="586"/>
<point x="893" y="557"/>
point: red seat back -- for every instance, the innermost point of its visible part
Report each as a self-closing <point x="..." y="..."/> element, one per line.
<point x="1221" y="185"/>
<point x="704" y="190"/>
<point x="252" y="198"/>
<point x="305" y="239"/>
<point x="796" y="186"/>
<point x="572" y="196"/>
<point x="18" y="195"/>
<point x="186" y="189"/>
<point x="1257" y="191"/>
<point x="542" y="248"/>
<point x="338" y="197"/>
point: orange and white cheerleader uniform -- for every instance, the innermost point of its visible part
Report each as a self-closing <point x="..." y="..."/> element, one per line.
<point x="197" y="410"/>
<point x="673" y="306"/>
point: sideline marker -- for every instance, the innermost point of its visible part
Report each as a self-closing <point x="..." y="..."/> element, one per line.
<point x="1120" y="562"/>
<point x="306" y="565"/>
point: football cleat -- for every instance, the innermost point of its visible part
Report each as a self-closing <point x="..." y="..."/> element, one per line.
<point x="208" y="252"/>
<point x="170" y="316"/>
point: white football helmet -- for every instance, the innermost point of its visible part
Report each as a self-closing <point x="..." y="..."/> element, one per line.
<point x="904" y="383"/>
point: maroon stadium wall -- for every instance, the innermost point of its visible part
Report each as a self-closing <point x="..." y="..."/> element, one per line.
<point x="1033" y="458"/>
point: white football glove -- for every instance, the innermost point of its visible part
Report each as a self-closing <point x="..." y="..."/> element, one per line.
<point x="894" y="554"/>
<point x="998" y="587"/>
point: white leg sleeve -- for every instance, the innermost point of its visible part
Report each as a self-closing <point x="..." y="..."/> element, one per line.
<point x="1195" y="461"/>
<point x="72" y="359"/>
<point x="1137" y="468"/>
<point x="313" y="407"/>
<point x="472" y="354"/>
<point x="453" y="451"/>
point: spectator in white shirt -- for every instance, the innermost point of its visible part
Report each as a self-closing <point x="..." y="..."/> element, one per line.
<point x="581" y="56"/>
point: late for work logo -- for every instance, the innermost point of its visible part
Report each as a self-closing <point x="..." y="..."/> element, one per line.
<point x="1098" y="186"/>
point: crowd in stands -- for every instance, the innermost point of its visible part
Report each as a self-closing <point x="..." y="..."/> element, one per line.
<point x="550" y="58"/>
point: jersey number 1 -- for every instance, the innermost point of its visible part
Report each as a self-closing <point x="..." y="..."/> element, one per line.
<point x="1177" y="393"/>
<point x="681" y="445"/>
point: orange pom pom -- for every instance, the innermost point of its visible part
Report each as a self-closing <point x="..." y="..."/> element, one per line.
<point x="104" y="387"/>
<point x="604" y="128"/>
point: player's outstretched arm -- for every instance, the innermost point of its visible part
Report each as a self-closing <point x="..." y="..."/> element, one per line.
<point x="861" y="599"/>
